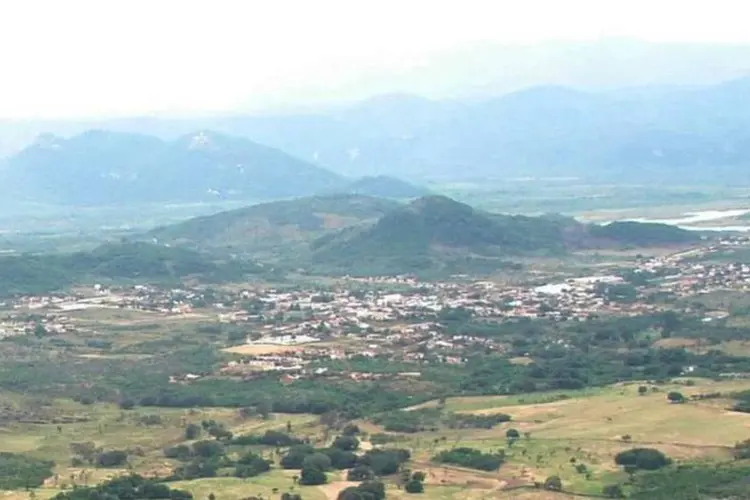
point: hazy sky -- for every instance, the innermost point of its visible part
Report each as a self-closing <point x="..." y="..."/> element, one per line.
<point x="77" y="58"/>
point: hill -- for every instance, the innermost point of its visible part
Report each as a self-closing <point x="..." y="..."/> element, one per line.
<point x="100" y="167"/>
<point x="643" y="234"/>
<point x="36" y="274"/>
<point x="431" y="232"/>
<point x="281" y="225"/>
<point x="436" y="232"/>
<point x="384" y="186"/>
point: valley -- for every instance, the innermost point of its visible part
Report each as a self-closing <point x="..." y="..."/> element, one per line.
<point x="520" y="383"/>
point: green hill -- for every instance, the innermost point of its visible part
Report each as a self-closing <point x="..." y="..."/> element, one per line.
<point x="275" y="226"/>
<point x="140" y="262"/>
<point x="436" y="233"/>
<point x="643" y="234"/>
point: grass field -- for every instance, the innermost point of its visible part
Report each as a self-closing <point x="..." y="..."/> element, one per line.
<point x="559" y="431"/>
<point x="589" y="427"/>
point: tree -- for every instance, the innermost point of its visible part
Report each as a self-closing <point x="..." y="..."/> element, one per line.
<point x="114" y="458"/>
<point x="613" y="491"/>
<point x="642" y="390"/>
<point x="414" y="486"/>
<point x="374" y="490"/>
<point x="512" y="434"/>
<point x="553" y="483"/>
<point x="419" y="476"/>
<point x="311" y="476"/>
<point x="642" y="458"/>
<point x="192" y="431"/>
<point x="319" y="461"/>
<point x="346" y="443"/>
<point x="360" y="473"/>
<point x="676" y="397"/>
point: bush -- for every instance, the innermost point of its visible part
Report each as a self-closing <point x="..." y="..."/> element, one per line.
<point x="295" y="457"/>
<point x="368" y="490"/>
<point x="270" y="438"/>
<point x="553" y="483"/>
<point x="676" y="397"/>
<point x="251" y="465"/>
<point x="471" y="458"/>
<point x="414" y="486"/>
<point x="346" y="443"/>
<point x="317" y="461"/>
<point x="311" y="476"/>
<point x="126" y="404"/>
<point x="207" y="449"/>
<point x="642" y="458"/>
<point x="114" y="458"/>
<point x="179" y="452"/>
<point x="512" y="434"/>
<point x="384" y="462"/>
<point x="613" y="491"/>
<point x="360" y="473"/>
<point x="192" y="431"/>
<point x="341" y="459"/>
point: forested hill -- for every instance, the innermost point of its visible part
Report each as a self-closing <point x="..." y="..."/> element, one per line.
<point x="269" y="225"/>
<point x="436" y="231"/>
<point x="140" y="262"/>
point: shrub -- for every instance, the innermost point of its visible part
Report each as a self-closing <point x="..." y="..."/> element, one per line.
<point x="642" y="458"/>
<point x="346" y="443"/>
<point x="311" y="476"/>
<point x="414" y="486"/>
<point x="360" y="473"/>
<point x="613" y="491"/>
<point x="553" y="483"/>
<point x="471" y="458"/>
<point x="114" y="458"/>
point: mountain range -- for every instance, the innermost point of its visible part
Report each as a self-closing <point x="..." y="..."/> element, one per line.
<point x="103" y="167"/>
<point x="647" y="134"/>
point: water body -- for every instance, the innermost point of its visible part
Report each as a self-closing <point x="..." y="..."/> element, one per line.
<point x="690" y="218"/>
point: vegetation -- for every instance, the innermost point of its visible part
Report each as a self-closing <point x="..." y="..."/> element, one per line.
<point x="642" y="459"/>
<point x="19" y="471"/>
<point x="133" y="486"/>
<point x="471" y="458"/>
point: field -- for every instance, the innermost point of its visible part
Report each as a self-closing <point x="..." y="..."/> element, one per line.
<point x="559" y="431"/>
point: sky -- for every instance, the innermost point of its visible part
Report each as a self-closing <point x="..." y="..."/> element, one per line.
<point x="92" y="58"/>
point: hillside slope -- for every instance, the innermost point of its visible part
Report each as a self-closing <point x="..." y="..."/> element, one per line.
<point x="100" y="167"/>
<point x="274" y="225"/>
<point x="436" y="232"/>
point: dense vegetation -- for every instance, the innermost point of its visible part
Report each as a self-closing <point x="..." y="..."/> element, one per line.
<point x="695" y="482"/>
<point x="281" y="226"/>
<point x="21" y="472"/>
<point x="135" y="487"/>
<point x="471" y="458"/>
<point x="37" y="274"/>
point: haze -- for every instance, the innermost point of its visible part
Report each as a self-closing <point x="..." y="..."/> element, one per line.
<point x="87" y="58"/>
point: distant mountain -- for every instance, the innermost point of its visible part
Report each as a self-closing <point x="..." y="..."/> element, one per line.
<point x="384" y="186"/>
<point x="436" y="232"/>
<point x="280" y="226"/>
<point x="102" y="167"/>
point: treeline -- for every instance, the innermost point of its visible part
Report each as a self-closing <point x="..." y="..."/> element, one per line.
<point x="133" y="486"/>
<point x="431" y="418"/>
